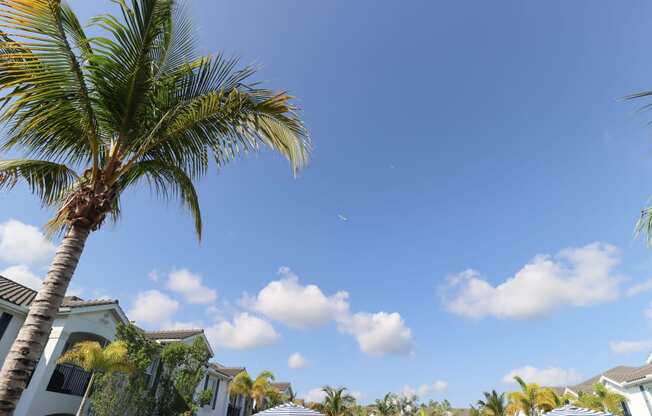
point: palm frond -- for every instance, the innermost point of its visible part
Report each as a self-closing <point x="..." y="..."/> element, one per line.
<point x="85" y="354"/>
<point x="46" y="79"/>
<point x="122" y="72"/>
<point x="49" y="180"/>
<point x="644" y="224"/>
<point x="168" y="181"/>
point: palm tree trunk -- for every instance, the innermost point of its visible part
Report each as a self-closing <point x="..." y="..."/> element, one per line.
<point x="87" y="393"/>
<point x="33" y="335"/>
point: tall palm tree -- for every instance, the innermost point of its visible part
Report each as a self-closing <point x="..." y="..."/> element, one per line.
<point x="337" y="401"/>
<point x="530" y="400"/>
<point x="494" y="404"/>
<point x="385" y="406"/>
<point x="99" y="115"/>
<point x="90" y="356"/>
<point x="258" y="389"/>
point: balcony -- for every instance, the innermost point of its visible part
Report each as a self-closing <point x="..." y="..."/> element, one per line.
<point x="69" y="379"/>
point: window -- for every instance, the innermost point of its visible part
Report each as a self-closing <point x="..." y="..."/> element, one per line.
<point x="5" y="318"/>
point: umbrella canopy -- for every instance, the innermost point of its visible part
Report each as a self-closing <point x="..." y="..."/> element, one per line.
<point x="289" y="409"/>
<point x="570" y="410"/>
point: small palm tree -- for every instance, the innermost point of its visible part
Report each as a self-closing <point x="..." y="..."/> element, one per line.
<point x="493" y="404"/>
<point x="97" y="116"/>
<point x="554" y="400"/>
<point x="337" y="401"/>
<point x="530" y="400"/>
<point x="259" y="390"/>
<point x="90" y="356"/>
<point x="602" y="399"/>
<point x="385" y="406"/>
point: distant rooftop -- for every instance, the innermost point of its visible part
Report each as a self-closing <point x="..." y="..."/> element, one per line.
<point x="230" y="371"/>
<point x="174" y="334"/>
<point x="281" y="385"/>
<point x="619" y="374"/>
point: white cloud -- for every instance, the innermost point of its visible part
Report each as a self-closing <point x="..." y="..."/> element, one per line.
<point x="23" y="243"/>
<point x="293" y="304"/>
<point x="551" y="376"/>
<point x="23" y="275"/>
<point x="246" y="331"/>
<point x="297" y="361"/>
<point x="425" y="390"/>
<point x="629" y="347"/>
<point x="153" y="307"/>
<point x="575" y="276"/>
<point x="639" y="288"/>
<point x="315" y="395"/>
<point x="288" y="301"/>
<point x="379" y="333"/>
<point x="190" y="286"/>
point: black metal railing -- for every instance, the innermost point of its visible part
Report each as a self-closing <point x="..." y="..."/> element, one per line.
<point x="233" y="411"/>
<point x="69" y="379"/>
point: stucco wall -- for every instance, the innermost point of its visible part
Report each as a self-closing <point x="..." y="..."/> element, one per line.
<point x="222" y="402"/>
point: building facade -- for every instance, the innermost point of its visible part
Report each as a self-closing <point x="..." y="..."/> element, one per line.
<point x="57" y="389"/>
<point x="634" y="383"/>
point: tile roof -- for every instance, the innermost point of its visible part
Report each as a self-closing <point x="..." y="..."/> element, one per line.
<point x="16" y="293"/>
<point x="619" y="374"/>
<point x="20" y="295"/>
<point x="230" y="371"/>
<point x="628" y="374"/>
<point x="281" y="385"/>
<point x="173" y="334"/>
<point x="219" y="369"/>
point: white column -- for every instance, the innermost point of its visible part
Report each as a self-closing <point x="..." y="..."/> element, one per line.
<point x="44" y="369"/>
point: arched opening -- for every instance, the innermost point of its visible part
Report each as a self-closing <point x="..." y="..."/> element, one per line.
<point x="69" y="378"/>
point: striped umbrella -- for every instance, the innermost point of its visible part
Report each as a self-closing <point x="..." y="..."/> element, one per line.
<point x="570" y="410"/>
<point x="289" y="409"/>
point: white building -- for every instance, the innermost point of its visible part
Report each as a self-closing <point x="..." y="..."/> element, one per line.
<point x="56" y="389"/>
<point x="635" y="383"/>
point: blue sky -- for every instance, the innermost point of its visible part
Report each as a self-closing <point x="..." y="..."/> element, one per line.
<point x="456" y="145"/>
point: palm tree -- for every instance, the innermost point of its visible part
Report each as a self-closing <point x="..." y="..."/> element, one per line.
<point x="100" y="115"/>
<point x="406" y="404"/>
<point x="385" y="406"/>
<point x="438" y="408"/>
<point x="553" y="400"/>
<point x="602" y="399"/>
<point x="258" y="389"/>
<point x="530" y="400"/>
<point x="90" y="356"/>
<point x="337" y="401"/>
<point x="474" y="411"/>
<point x="493" y="404"/>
